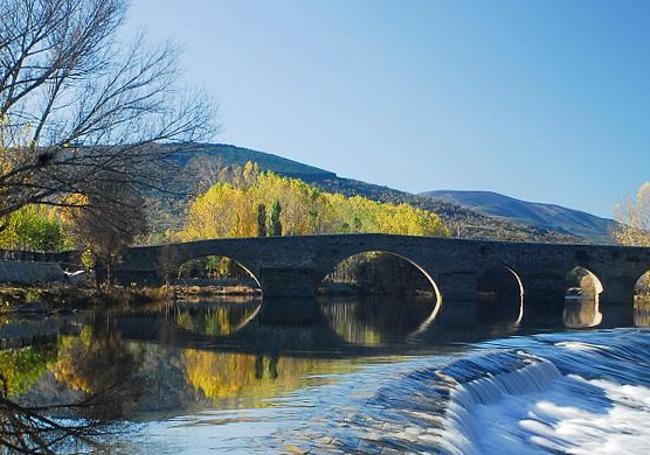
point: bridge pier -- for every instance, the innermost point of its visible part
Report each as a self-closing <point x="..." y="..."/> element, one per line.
<point x="617" y="302"/>
<point x="544" y="298"/>
<point x="459" y="299"/>
<point x="288" y="295"/>
<point x="288" y="310"/>
<point x="126" y="277"/>
<point x="287" y="282"/>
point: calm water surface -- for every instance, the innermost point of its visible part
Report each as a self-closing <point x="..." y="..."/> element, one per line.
<point x="362" y="376"/>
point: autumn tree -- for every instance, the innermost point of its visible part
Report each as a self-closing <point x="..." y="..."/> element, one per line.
<point x="77" y="105"/>
<point x="229" y="210"/>
<point x="222" y="211"/>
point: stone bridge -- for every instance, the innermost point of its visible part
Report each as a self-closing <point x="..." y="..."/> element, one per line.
<point x="293" y="267"/>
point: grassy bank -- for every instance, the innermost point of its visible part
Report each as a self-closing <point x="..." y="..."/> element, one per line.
<point x="52" y="298"/>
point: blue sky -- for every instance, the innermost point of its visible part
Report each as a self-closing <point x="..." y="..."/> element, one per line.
<point x="544" y="100"/>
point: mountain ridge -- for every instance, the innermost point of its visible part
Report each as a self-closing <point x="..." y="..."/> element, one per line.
<point x="541" y="214"/>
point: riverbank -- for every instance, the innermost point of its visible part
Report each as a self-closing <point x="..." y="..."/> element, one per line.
<point x="32" y="299"/>
<point x="43" y="299"/>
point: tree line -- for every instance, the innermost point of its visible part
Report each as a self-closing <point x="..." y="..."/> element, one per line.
<point x="254" y="203"/>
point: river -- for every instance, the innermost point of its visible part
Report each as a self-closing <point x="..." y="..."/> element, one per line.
<point x="361" y="376"/>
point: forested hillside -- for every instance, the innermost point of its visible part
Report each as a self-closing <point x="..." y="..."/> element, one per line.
<point x="202" y="167"/>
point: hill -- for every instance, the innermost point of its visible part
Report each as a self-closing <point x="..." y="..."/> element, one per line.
<point x="541" y="215"/>
<point x="465" y="222"/>
<point x="231" y="155"/>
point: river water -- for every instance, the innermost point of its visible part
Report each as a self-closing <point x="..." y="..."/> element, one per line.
<point x="361" y="376"/>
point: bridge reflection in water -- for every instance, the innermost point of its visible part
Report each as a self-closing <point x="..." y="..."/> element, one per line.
<point x="337" y="326"/>
<point x="174" y="358"/>
<point x="189" y="356"/>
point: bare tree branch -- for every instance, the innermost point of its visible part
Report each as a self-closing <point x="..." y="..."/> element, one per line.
<point x="77" y="106"/>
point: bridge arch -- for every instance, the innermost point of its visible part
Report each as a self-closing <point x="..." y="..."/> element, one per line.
<point x="500" y="295"/>
<point x="582" y="298"/>
<point x="330" y="265"/>
<point x="328" y="272"/>
<point x="207" y="267"/>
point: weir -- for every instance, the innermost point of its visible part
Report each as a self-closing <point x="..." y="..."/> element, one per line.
<point x="293" y="267"/>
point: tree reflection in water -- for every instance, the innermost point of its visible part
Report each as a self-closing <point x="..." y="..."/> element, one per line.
<point x="227" y="377"/>
<point x="99" y="369"/>
<point x="75" y="393"/>
<point x="216" y="320"/>
<point x="580" y="314"/>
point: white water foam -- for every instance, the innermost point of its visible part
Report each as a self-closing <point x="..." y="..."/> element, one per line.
<point x="537" y="410"/>
<point x="578" y="346"/>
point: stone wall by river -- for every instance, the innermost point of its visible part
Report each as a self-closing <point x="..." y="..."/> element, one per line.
<point x="27" y="272"/>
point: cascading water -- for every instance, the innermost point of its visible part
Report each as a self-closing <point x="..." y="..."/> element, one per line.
<point x="556" y="393"/>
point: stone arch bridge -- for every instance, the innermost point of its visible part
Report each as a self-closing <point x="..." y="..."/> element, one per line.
<point x="293" y="267"/>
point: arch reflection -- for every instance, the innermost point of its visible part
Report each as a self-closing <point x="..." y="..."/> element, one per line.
<point x="500" y="296"/>
<point x="642" y="301"/>
<point x="376" y="320"/>
<point x="582" y="299"/>
<point x="216" y="317"/>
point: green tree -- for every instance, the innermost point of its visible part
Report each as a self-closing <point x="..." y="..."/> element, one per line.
<point x="34" y="228"/>
<point x="261" y="220"/>
<point x="276" y="223"/>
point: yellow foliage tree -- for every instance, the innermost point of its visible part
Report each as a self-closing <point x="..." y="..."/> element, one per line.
<point x="223" y="211"/>
<point x="232" y="211"/>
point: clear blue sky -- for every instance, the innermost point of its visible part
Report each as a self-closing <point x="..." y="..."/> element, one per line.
<point x="543" y="100"/>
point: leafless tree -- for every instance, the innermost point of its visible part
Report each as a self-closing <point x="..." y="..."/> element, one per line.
<point x="77" y="106"/>
<point x="168" y="263"/>
<point x="106" y="227"/>
<point x="206" y="171"/>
